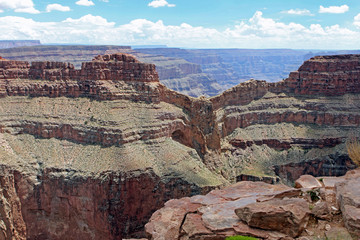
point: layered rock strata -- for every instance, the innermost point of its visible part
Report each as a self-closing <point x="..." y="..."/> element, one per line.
<point x="91" y="153"/>
<point x="78" y="144"/>
<point x="307" y="117"/>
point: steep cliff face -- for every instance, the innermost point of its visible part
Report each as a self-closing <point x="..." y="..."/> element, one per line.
<point x="304" y="117"/>
<point x="92" y="152"/>
<point x="175" y="73"/>
<point x="326" y="75"/>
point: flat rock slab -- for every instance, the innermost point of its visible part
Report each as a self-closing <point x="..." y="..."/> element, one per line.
<point x="307" y="181"/>
<point x="288" y="216"/>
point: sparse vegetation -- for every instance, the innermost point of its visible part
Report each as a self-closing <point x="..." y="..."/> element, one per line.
<point x="353" y="148"/>
<point x="238" y="237"/>
<point x="314" y="195"/>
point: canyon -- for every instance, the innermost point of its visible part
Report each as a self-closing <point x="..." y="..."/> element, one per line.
<point x="194" y="72"/>
<point x="92" y="152"/>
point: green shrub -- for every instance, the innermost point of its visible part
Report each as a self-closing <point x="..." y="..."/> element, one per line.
<point x="238" y="237"/>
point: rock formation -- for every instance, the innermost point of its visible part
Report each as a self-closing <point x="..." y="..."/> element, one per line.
<point x="175" y="73"/>
<point x="301" y="119"/>
<point x="92" y="152"/>
<point x="265" y="211"/>
<point x="194" y="72"/>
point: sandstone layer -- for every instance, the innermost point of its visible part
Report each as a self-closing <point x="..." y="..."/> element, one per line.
<point x="93" y="152"/>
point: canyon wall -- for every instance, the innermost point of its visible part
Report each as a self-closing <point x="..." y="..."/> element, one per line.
<point x="77" y="145"/>
<point x="307" y="116"/>
<point x="93" y="152"/>
<point x="194" y="72"/>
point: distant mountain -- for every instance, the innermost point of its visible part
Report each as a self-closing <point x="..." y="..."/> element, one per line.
<point x="18" y="43"/>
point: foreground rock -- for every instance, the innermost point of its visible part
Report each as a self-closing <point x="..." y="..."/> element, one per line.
<point x="288" y="216"/>
<point x="260" y="210"/>
<point x="213" y="215"/>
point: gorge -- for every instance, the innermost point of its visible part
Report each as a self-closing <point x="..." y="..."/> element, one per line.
<point x="92" y="152"/>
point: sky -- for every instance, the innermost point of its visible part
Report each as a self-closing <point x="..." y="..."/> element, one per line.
<point x="260" y="24"/>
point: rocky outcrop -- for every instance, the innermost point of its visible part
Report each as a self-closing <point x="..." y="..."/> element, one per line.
<point x="213" y="214"/>
<point x="107" y="67"/>
<point x="263" y="211"/>
<point x="326" y="75"/>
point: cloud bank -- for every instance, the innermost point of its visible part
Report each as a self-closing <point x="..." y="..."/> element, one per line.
<point x="257" y="32"/>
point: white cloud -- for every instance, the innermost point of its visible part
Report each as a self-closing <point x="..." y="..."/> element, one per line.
<point x="334" y="9"/>
<point x="25" y="6"/>
<point x="257" y="32"/>
<point x="89" y="20"/>
<point x="160" y="3"/>
<point x="357" y="20"/>
<point x="57" y="7"/>
<point x="86" y="3"/>
<point x="302" y="12"/>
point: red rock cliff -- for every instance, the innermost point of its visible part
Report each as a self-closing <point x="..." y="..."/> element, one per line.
<point x="156" y="144"/>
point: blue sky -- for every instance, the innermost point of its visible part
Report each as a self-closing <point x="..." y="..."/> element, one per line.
<point x="300" y="24"/>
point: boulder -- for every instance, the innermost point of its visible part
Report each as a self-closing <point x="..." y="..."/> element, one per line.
<point x="307" y="181"/>
<point x="289" y="216"/>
